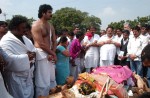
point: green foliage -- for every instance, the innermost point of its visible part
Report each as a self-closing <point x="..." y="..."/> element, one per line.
<point x="70" y="17"/>
<point x="139" y="20"/>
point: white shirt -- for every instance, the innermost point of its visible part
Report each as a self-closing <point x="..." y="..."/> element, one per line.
<point x="136" y="45"/>
<point x="107" y="51"/>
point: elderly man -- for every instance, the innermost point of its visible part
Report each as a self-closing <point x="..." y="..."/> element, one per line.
<point x="19" y="53"/>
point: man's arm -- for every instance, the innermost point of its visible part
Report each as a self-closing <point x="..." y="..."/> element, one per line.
<point x="38" y="39"/>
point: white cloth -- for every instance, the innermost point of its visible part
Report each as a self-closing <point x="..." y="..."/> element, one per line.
<point x="136" y="45"/>
<point x="44" y="73"/>
<point x="18" y="72"/>
<point x="118" y="39"/>
<point x="107" y="51"/>
<point x="92" y="54"/>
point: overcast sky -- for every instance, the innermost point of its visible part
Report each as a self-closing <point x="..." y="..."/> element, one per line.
<point x="107" y="10"/>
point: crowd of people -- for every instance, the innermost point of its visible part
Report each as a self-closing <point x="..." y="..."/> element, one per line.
<point x="33" y="59"/>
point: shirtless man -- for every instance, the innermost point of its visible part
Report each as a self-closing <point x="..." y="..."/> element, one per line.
<point x="45" y="43"/>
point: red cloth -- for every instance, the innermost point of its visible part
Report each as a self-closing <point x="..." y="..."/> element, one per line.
<point x="89" y="35"/>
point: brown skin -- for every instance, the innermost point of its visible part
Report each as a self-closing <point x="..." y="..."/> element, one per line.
<point x="3" y="30"/>
<point x="41" y="35"/>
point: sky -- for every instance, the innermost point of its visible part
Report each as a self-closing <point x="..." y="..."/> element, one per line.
<point x="107" y="10"/>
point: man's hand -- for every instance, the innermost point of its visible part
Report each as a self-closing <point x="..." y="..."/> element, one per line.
<point x="132" y="56"/>
<point x="31" y="55"/>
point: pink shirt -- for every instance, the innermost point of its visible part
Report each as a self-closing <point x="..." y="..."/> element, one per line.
<point x="75" y="48"/>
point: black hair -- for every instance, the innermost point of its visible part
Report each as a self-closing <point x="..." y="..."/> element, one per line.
<point x="79" y="34"/>
<point x="92" y="27"/>
<point x="16" y="21"/>
<point x="136" y="28"/>
<point x="64" y="30"/>
<point x="109" y="27"/>
<point x="43" y="9"/>
<point x="3" y="23"/>
<point x="145" y="53"/>
<point x="119" y="29"/>
<point x="28" y="26"/>
<point x="126" y="31"/>
<point x="63" y="39"/>
<point x="71" y="33"/>
<point x="145" y="26"/>
<point x="145" y="95"/>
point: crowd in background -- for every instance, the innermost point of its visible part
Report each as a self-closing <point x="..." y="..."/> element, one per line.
<point x="34" y="59"/>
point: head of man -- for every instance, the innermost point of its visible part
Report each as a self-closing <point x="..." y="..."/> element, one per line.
<point x="17" y="25"/>
<point x="92" y="29"/>
<point x="126" y="34"/>
<point x="145" y="56"/>
<point x="80" y="35"/>
<point x="45" y="11"/>
<point x="71" y="35"/>
<point x="103" y="32"/>
<point x="3" y="27"/>
<point x="64" y="32"/>
<point x="136" y="31"/>
<point x="144" y="28"/>
<point x="127" y="26"/>
<point x="119" y="32"/>
<point x="76" y="29"/>
<point x="109" y="31"/>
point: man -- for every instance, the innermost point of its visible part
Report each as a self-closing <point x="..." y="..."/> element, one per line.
<point x="76" y="51"/>
<point x="92" y="52"/>
<point x="3" y="28"/>
<point x="123" y="49"/>
<point x="119" y="37"/>
<point x="19" y="53"/>
<point x="64" y="32"/>
<point x="128" y="27"/>
<point x="134" y="48"/>
<point x="45" y="43"/>
<point x="108" y="48"/>
<point x="145" y="58"/>
<point x="3" y="91"/>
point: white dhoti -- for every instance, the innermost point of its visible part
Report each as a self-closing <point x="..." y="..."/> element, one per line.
<point x="44" y="74"/>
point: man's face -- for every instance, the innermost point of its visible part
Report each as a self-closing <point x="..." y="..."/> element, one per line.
<point x="21" y="29"/>
<point x="143" y="30"/>
<point x="136" y="33"/>
<point x="126" y="27"/>
<point x="92" y="30"/>
<point x="76" y="30"/>
<point x="125" y="36"/>
<point x="119" y="32"/>
<point x="109" y="32"/>
<point x="3" y="29"/>
<point x="48" y="14"/>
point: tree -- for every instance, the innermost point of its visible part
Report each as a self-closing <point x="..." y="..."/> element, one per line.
<point x="70" y="17"/>
<point x="139" y="20"/>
